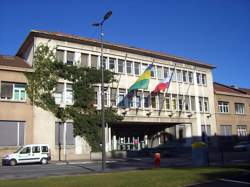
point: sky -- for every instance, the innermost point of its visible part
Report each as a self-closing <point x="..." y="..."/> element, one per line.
<point x="216" y="32"/>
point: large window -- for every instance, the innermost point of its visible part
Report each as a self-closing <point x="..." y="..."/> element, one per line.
<point x="137" y="68"/>
<point x="186" y="103"/>
<point x="121" y="102"/>
<point x="159" y="72"/>
<point x="13" y="91"/>
<point x="153" y="101"/>
<point x="112" y="64"/>
<point x="201" y="104"/>
<point x="185" y="76"/>
<point x="223" y="107"/>
<point x="96" y="89"/>
<point x="174" y="102"/>
<point x="204" y="79"/>
<point x="153" y="71"/>
<point x="206" y="104"/>
<point x="193" y="107"/>
<point x="11" y="133"/>
<point x="113" y="92"/>
<point x="146" y="99"/>
<point x="59" y="93"/>
<point x="120" y="66"/>
<point x="239" y="108"/>
<point x="241" y="130"/>
<point x="206" y="129"/>
<point x="180" y="103"/>
<point x="94" y="61"/>
<point x="84" y="60"/>
<point x="226" y="130"/>
<point x="60" y="55"/>
<point x="69" y="94"/>
<point x="166" y="72"/>
<point x="138" y="99"/>
<point x="167" y="102"/>
<point x="70" y="58"/>
<point x="173" y="74"/>
<point x="129" y="67"/>
<point x="59" y="133"/>
<point x="190" y="77"/>
<point x="198" y="78"/>
<point x="179" y="75"/>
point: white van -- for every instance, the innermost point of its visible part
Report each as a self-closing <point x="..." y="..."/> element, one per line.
<point x="29" y="154"/>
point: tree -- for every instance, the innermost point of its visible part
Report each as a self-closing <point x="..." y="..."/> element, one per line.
<point x="42" y="83"/>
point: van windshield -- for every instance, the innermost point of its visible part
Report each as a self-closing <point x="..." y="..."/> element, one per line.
<point x="18" y="149"/>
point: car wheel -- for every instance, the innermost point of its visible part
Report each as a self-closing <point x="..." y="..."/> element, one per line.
<point x="12" y="162"/>
<point x="44" y="161"/>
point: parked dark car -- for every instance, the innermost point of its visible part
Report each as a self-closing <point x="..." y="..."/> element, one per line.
<point x="242" y="146"/>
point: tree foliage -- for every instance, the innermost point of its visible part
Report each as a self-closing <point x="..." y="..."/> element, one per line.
<point x="42" y="83"/>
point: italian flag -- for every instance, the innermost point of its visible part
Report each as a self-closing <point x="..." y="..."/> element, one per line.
<point x="162" y="86"/>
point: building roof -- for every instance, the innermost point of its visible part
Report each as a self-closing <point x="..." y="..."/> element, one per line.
<point x="247" y="90"/>
<point x="82" y="40"/>
<point x="13" y="61"/>
<point x="218" y="87"/>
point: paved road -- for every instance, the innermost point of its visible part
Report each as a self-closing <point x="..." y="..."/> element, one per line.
<point x="74" y="168"/>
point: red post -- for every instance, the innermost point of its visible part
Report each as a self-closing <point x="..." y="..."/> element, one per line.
<point x="157" y="160"/>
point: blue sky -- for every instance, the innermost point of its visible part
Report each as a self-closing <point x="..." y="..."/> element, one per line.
<point x="212" y="31"/>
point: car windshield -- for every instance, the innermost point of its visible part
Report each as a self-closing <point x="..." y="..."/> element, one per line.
<point x="18" y="150"/>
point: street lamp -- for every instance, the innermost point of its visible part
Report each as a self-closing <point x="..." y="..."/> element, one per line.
<point x="100" y="25"/>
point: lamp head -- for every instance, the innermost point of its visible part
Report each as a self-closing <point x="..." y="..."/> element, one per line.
<point x="107" y="15"/>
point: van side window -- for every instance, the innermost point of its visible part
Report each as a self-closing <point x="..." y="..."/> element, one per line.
<point x="36" y="149"/>
<point x="45" y="149"/>
<point x="25" y="150"/>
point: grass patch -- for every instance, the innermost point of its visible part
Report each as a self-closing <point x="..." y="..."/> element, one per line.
<point x="144" y="178"/>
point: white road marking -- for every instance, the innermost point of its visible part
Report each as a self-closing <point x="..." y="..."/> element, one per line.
<point x="235" y="181"/>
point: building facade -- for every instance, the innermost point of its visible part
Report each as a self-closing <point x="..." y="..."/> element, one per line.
<point x="232" y="107"/>
<point x="16" y="114"/>
<point x="180" y="114"/>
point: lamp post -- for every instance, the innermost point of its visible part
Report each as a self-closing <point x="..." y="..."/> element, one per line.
<point x="100" y="25"/>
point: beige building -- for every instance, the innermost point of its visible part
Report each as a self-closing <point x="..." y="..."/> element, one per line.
<point x="232" y="107"/>
<point x="16" y="114"/>
<point x="180" y="114"/>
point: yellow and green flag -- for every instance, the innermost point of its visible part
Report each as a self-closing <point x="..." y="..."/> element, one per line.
<point x="142" y="81"/>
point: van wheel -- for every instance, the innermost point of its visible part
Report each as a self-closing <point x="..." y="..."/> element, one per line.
<point x="12" y="162"/>
<point x="44" y="161"/>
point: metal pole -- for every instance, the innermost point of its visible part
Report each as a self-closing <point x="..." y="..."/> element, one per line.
<point x="102" y="105"/>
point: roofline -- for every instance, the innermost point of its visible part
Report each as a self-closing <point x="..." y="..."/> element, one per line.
<point x="238" y="90"/>
<point x="82" y="40"/>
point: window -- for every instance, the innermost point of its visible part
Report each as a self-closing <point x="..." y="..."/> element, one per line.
<point x="70" y="58"/>
<point x="138" y="99"/>
<point x="206" y="104"/>
<point x="19" y="92"/>
<point x="166" y="72"/>
<point x="58" y="95"/>
<point x="179" y="75"/>
<point x="144" y="67"/>
<point x="153" y="71"/>
<point x="193" y="107"/>
<point x="201" y="104"/>
<point x="184" y="74"/>
<point x="25" y="150"/>
<point x="241" y="130"/>
<point x="112" y="64"/>
<point x="94" y="61"/>
<point x="69" y="94"/>
<point x="186" y="103"/>
<point x="60" y="136"/>
<point x="96" y="89"/>
<point x="172" y="70"/>
<point x="190" y="77"/>
<point x="146" y="99"/>
<point x="153" y="101"/>
<point x="206" y="129"/>
<point x="180" y="102"/>
<point x="60" y="55"/>
<point x="174" y="102"/>
<point x="122" y="93"/>
<point x="36" y="149"/>
<point x="13" y="91"/>
<point x="104" y="62"/>
<point x="239" y="108"/>
<point x="204" y="79"/>
<point x="198" y="78"/>
<point x="11" y="133"/>
<point x="223" y="106"/>
<point x="137" y="68"/>
<point x="226" y="130"/>
<point x="167" y="102"/>
<point x="113" y="93"/>
<point x="45" y="149"/>
<point x="120" y="66"/>
<point x="84" y="60"/>
<point x="161" y="100"/>
<point x="159" y="72"/>
<point x="129" y="67"/>
<point x="105" y="96"/>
